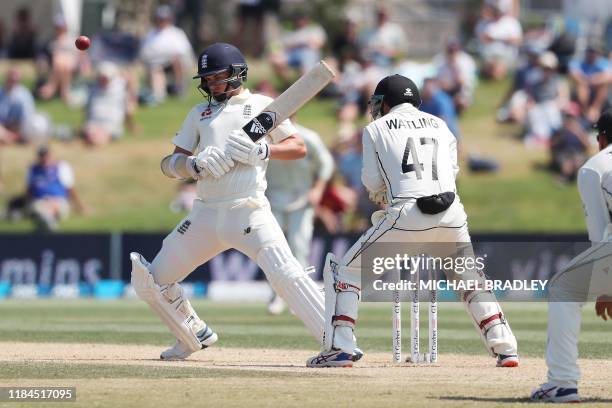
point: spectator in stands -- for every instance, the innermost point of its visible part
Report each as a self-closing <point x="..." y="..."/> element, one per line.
<point x="357" y="82"/>
<point x="438" y="103"/>
<point x="250" y="33"/>
<point x="22" y="43"/>
<point x="16" y="109"/>
<point x="64" y="59"/>
<point x="591" y="77"/>
<point x="499" y="37"/>
<point x="338" y="200"/>
<point x="120" y="48"/>
<point x="106" y="107"/>
<point x="456" y="73"/>
<point x="50" y="191"/>
<point x="301" y="47"/>
<point x="544" y="102"/>
<point x="166" y="49"/>
<point x="569" y="145"/>
<point x="514" y="104"/>
<point x="387" y="42"/>
<point x="349" y="159"/>
<point x="345" y="45"/>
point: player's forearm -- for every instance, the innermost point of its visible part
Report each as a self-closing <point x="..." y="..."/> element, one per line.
<point x="179" y="166"/>
<point x="292" y="148"/>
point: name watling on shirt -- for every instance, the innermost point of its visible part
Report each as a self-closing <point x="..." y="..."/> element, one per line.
<point x="419" y="123"/>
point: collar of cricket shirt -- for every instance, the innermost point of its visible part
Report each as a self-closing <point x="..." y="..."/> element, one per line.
<point x="403" y="107"/>
<point x="240" y="98"/>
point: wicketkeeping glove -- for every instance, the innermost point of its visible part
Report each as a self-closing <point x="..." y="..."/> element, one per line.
<point x="379" y="197"/>
<point x="240" y="147"/>
<point x="214" y="161"/>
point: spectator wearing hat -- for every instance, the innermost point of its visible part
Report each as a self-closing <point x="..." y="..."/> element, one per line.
<point x="50" y="191"/>
<point x="106" y="108"/>
<point x="456" y="73"/>
<point x="569" y="145"/>
<point x="591" y="77"/>
<point x="166" y="49"/>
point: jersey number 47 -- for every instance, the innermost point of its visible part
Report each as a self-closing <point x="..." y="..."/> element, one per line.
<point x="416" y="165"/>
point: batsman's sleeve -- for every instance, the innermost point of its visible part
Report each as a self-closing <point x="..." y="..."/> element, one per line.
<point x="322" y="158"/>
<point x="595" y="208"/>
<point x="188" y="137"/>
<point x="283" y="131"/>
<point x="370" y="172"/>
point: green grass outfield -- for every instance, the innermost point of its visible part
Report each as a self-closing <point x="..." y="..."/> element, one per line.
<point x="249" y="326"/>
<point x="109" y="351"/>
<point x="123" y="188"/>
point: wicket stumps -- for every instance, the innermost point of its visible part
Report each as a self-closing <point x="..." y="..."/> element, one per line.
<point x="415" y="351"/>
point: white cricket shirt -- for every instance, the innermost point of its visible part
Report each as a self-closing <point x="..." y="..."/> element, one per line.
<point x="210" y="125"/>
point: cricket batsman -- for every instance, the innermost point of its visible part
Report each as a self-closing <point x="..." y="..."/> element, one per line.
<point x="409" y="165"/>
<point x="231" y="210"/>
<point x="586" y="277"/>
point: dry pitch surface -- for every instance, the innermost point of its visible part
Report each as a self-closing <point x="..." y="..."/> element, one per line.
<point x="129" y="375"/>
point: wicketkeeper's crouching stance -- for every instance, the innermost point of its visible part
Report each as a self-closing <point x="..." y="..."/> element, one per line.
<point x="409" y="162"/>
<point x="231" y="210"/>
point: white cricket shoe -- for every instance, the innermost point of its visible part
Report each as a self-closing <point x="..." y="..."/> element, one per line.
<point x="179" y="352"/>
<point x="552" y="393"/>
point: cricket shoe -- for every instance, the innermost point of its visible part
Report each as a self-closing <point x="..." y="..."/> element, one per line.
<point x="552" y="393"/>
<point x="332" y="358"/>
<point x="507" y="360"/>
<point x="178" y="351"/>
<point x="357" y="354"/>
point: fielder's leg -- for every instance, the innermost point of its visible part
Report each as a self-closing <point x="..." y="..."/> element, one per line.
<point x="584" y="278"/>
<point x="298" y="227"/>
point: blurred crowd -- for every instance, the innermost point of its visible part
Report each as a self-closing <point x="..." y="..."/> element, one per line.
<point x="559" y="73"/>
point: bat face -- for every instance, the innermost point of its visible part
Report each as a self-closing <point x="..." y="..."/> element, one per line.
<point x="260" y="125"/>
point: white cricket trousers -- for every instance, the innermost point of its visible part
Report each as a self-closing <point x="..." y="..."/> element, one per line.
<point x="246" y="224"/>
<point x="584" y="279"/>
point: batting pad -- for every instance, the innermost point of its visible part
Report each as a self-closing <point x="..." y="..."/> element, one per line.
<point x="491" y="323"/>
<point x="168" y="302"/>
<point x="292" y="283"/>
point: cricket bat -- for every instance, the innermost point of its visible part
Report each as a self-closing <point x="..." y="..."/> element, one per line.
<point x="287" y="103"/>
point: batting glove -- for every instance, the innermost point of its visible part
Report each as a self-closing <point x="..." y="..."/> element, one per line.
<point x="214" y="161"/>
<point x="240" y="147"/>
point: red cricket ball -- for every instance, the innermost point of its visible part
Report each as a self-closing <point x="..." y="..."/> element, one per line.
<point x="82" y="43"/>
